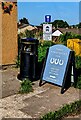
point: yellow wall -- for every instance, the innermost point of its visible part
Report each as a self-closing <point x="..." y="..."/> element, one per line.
<point x="0" y="35"/>
<point x="9" y="36"/>
<point x="74" y="44"/>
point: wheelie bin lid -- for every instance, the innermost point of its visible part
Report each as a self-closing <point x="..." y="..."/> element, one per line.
<point x="29" y="40"/>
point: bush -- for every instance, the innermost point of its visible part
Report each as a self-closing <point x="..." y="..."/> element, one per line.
<point x="78" y="62"/>
<point x="68" y="35"/>
<point x="29" y="34"/>
<point x="78" y="72"/>
<point x="79" y="82"/>
<point x="42" y="49"/>
<point x="26" y="86"/>
<point x="63" y="38"/>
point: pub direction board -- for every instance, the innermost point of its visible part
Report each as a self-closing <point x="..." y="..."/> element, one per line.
<point x="56" y="64"/>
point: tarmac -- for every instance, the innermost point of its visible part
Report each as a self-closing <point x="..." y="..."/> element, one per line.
<point x="42" y="100"/>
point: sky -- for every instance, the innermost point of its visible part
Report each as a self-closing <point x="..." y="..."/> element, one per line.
<point x="35" y="11"/>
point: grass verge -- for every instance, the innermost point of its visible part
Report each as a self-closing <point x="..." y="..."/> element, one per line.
<point x="71" y="109"/>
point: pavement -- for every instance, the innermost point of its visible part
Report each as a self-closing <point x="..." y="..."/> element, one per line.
<point x="10" y="83"/>
<point x="35" y="104"/>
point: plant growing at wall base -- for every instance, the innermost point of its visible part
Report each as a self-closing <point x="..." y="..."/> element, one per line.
<point x="17" y="61"/>
<point x="42" y="48"/>
<point x="26" y="86"/>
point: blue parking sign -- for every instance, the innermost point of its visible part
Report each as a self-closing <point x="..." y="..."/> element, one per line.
<point x="47" y="18"/>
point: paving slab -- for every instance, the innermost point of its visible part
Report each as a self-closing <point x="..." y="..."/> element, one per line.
<point x="43" y="100"/>
<point x="48" y="101"/>
<point x="10" y="83"/>
<point x="35" y="104"/>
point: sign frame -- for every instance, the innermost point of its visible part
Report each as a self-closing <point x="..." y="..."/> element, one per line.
<point x="67" y="75"/>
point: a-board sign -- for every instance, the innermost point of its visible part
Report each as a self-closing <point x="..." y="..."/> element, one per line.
<point x="57" y="65"/>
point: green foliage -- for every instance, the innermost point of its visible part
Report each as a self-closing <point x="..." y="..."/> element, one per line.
<point x="17" y="61"/>
<point x="10" y="7"/>
<point x="24" y="21"/>
<point x="19" y="44"/>
<point x="19" y="48"/>
<point x="78" y="36"/>
<point x="79" y="82"/>
<point x="3" y="5"/>
<point x="29" y="34"/>
<point x="79" y="25"/>
<point x="39" y="35"/>
<point x="68" y="35"/>
<point x="42" y="48"/>
<point x="78" y="71"/>
<point x="26" y="86"/>
<point x="60" y="24"/>
<point x="64" y="111"/>
<point x="22" y="35"/>
<point x="63" y="38"/>
<point x="78" y="62"/>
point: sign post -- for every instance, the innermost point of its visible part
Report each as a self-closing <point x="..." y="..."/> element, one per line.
<point x="58" y="66"/>
<point x="47" y="28"/>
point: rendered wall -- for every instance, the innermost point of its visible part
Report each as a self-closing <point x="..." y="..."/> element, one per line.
<point x="9" y="36"/>
<point x="0" y="35"/>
